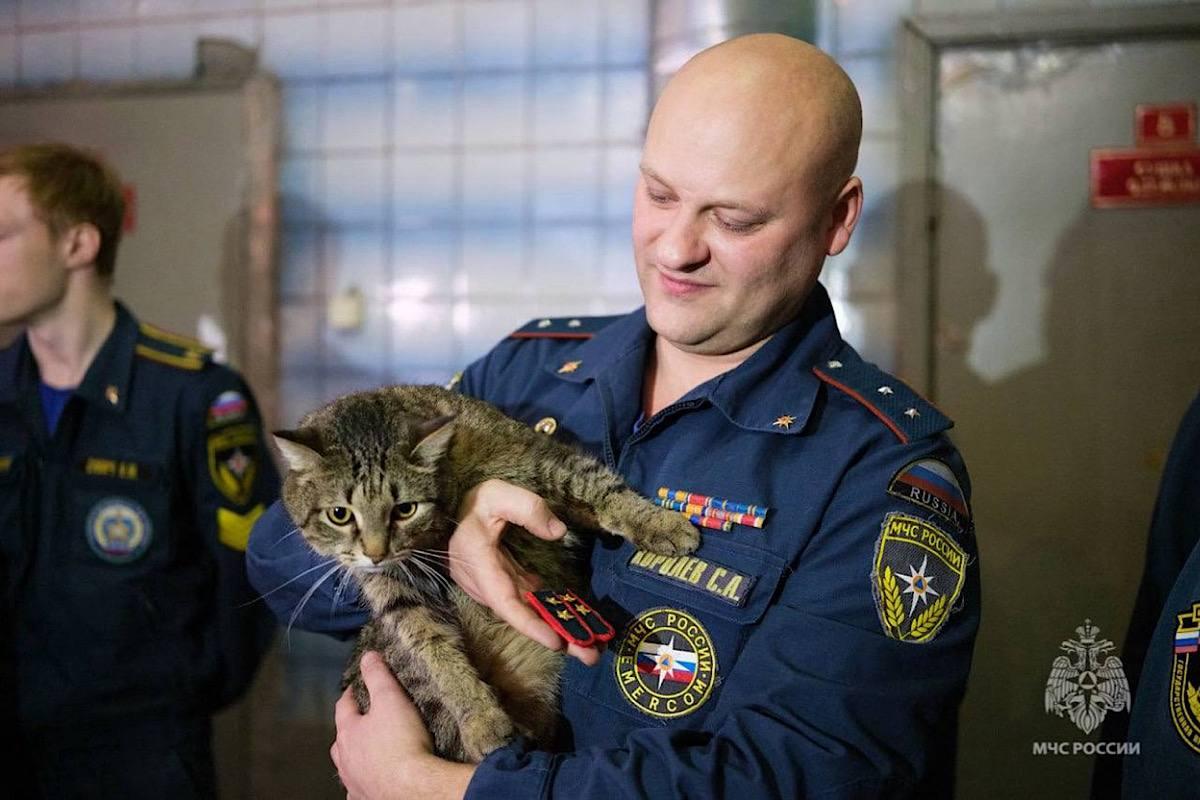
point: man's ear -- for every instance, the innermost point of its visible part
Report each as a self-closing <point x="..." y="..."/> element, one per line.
<point x="80" y="244"/>
<point x="847" y="209"/>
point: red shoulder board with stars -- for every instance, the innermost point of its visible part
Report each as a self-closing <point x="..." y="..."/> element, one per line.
<point x="903" y="411"/>
<point x="562" y="328"/>
<point x="570" y="617"/>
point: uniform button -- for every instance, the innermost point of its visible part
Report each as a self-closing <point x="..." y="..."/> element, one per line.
<point x="546" y="425"/>
<point x="112" y="395"/>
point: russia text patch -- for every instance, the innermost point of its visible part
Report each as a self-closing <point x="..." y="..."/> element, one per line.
<point x="931" y="484"/>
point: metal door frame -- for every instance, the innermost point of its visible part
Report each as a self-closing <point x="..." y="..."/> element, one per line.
<point x="922" y="40"/>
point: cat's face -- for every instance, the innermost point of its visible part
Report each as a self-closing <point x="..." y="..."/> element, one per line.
<point x="364" y="491"/>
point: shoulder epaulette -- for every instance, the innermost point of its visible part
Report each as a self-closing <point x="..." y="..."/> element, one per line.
<point x="562" y="327"/>
<point x="171" y="349"/>
<point x="902" y="410"/>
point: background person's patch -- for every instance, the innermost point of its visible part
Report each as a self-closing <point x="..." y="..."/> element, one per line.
<point x="931" y="484"/>
<point x="1185" y="677"/>
<point x="666" y="665"/>
<point x="119" y="530"/>
<point x="233" y="462"/>
<point x="229" y="407"/>
<point x="917" y="577"/>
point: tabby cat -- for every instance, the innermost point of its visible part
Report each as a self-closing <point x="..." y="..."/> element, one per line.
<point x="375" y="480"/>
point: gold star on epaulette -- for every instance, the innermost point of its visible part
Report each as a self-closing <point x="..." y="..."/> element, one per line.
<point x="570" y="366"/>
<point x="564" y="614"/>
<point x="784" y="421"/>
<point x="553" y="601"/>
<point x="912" y="413"/>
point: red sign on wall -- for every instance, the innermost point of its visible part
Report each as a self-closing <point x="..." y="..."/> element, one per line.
<point x="1164" y="169"/>
<point x="1147" y="177"/>
<point x="1166" y="125"/>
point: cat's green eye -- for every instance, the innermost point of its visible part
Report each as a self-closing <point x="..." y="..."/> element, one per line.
<point x="339" y="515"/>
<point x="403" y="510"/>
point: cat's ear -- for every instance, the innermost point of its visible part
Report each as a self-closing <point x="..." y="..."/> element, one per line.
<point x="435" y="436"/>
<point x="301" y="448"/>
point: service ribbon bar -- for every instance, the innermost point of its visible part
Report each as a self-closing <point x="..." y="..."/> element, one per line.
<point x="711" y="508"/>
<point x="710" y="522"/>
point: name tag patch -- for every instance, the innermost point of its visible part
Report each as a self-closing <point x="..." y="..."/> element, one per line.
<point x="709" y="577"/>
<point x="114" y="468"/>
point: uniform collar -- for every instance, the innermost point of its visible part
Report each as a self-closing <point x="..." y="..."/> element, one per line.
<point x="107" y="377"/>
<point x="106" y="382"/>
<point x="771" y="391"/>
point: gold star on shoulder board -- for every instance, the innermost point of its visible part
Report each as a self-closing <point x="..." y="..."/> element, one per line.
<point x="784" y="421"/>
<point x="912" y="413"/>
<point x="570" y="366"/>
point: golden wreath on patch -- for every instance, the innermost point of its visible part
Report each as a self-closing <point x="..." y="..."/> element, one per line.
<point x="916" y="577"/>
<point x="666" y="665"/>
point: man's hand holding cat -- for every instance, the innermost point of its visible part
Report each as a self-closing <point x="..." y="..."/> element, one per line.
<point x="486" y="572"/>
<point x="387" y="752"/>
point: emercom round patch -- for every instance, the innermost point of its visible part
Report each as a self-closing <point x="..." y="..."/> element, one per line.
<point x="666" y="665"/>
<point x="118" y="530"/>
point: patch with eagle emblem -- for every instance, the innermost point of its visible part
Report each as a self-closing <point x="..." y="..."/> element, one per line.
<point x="917" y="577"/>
<point x="1185" y="680"/>
<point x="1086" y="684"/>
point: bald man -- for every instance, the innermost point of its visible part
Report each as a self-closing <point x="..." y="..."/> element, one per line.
<point x="818" y="641"/>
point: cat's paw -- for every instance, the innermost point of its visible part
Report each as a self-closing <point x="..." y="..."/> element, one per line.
<point x="484" y="731"/>
<point x="667" y="533"/>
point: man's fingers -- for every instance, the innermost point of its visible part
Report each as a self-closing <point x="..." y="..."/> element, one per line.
<point x="516" y="613"/>
<point x="588" y="655"/>
<point x="377" y="675"/>
<point x="345" y="709"/>
<point x="504" y="501"/>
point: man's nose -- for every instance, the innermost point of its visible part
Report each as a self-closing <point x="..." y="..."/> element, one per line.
<point x="681" y="245"/>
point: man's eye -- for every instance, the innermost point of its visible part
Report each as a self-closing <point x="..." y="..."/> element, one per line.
<point x="339" y="515"/>
<point x="735" y="226"/>
<point x="656" y="197"/>
<point x="403" y="510"/>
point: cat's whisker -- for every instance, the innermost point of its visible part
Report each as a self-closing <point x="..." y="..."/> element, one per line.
<point x="313" y="568"/>
<point x="431" y="570"/>
<point x="287" y="535"/>
<point x="308" y="596"/>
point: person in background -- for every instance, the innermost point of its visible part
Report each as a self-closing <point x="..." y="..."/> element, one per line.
<point x="1162" y="648"/>
<point x="132" y="468"/>
<point x="817" y="644"/>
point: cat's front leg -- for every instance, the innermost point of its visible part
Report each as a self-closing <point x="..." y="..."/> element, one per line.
<point x="440" y="675"/>
<point x="647" y="525"/>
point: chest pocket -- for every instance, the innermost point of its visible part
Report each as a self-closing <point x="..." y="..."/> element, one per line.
<point x="681" y="624"/>
<point x="118" y="515"/>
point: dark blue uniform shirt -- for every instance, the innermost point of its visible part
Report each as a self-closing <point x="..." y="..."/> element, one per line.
<point x="1165" y="720"/>
<point x="824" y="653"/>
<point x="127" y="615"/>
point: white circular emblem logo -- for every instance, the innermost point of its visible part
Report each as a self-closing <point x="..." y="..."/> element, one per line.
<point x="666" y="665"/>
<point x="118" y="530"/>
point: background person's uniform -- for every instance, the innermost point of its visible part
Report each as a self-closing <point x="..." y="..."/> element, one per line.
<point x="127" y="616"/>
<point x="1162" y="659"/>
<point x="768" y="663"/>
